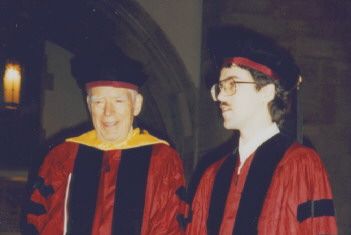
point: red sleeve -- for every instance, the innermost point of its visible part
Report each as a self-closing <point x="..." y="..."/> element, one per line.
<point x="163" y="202"/>
<point x="47" y="200"/>
<point x="299" y="181"/>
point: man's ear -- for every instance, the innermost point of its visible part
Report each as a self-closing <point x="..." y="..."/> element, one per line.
<point x="88" y="103"/>
<point x="268" y="92"/>
<point x="138" y="103"/>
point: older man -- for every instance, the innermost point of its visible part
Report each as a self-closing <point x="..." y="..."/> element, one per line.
<point x="115" y="179"/>
<point x="269" y="184"/>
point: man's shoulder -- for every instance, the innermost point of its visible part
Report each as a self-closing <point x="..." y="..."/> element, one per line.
<point x="300" y="158"/>
<point x="61" y="151"/>
<point x="57" y="161"/>
<point x="63" y="146"/>
<point x="162" y="150"/>
<point x="164" y="147"/>
<point x="215" y="156"/>
<point x="206" y="169"/>
<point x="300" y="153"/>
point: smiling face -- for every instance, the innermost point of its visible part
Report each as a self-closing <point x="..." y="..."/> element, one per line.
<point x="112" y="111"/>
<point x="248" y="106"/>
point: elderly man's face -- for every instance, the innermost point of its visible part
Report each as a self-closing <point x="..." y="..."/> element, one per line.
<point x="112" y="111"/>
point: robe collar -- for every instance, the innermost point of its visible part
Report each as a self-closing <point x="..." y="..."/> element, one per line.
<point x="247" y="149"/>
<point x="136" y="138"/>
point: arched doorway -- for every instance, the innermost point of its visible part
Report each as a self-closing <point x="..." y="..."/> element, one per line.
<point x="168" y="91"/>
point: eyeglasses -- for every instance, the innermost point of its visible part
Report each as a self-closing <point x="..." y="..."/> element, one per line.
<point x="227" y="86"/>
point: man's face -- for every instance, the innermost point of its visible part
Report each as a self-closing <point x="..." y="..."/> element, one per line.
<point x="112" y="111"/>
<point x="246" y="107"/>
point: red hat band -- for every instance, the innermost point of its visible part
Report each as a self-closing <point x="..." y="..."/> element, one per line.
<point x="252" y="64"/>
<point x="117" y="84"/>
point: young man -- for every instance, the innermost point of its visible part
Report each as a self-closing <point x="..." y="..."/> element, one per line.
<point x="269" y="184"/>
<point x="115" y="179"/>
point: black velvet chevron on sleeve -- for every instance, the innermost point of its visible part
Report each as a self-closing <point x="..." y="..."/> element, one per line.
<point x="312" y="209"/>
<point x="183" y="220"/>
<point x="35" y="208"/>
<point x="181" y="193"/>
<point x="45" y="190"/>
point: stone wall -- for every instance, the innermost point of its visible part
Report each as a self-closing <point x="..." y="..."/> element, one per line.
<point x="181" y="22"/>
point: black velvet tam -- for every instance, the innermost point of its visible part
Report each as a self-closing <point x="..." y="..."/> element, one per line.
<point x="237" y="41"/>
<point x="106" y="64"/>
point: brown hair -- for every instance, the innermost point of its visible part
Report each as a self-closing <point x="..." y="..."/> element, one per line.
<point x="280" y="106"/>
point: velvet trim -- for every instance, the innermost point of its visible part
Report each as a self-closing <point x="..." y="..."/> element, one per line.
<point x="130" y="191"/>
<point x="35" y="208"/>
<point x="45" y="190"/>
<point x="215" y="155"/>
<point x="258" y="180"/>
<point x="219" y="194"/>
<point x="317" y="208"/>
<point x="181" y="193"/>
<point x="83" y="190"/>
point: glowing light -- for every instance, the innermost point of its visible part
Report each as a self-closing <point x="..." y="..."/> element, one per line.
<point x="12" y="84"/>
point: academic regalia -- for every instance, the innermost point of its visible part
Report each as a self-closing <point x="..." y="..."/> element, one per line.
<point x="89" y="187"/>
<point x="282" y="188"/>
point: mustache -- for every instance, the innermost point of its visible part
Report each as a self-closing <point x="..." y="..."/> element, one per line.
<point x="223" y="104"/>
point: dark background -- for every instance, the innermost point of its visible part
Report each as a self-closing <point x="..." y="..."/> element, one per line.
<point x="177" y="105"/>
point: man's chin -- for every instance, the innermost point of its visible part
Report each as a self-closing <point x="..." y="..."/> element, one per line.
<point x="228" y="125"/>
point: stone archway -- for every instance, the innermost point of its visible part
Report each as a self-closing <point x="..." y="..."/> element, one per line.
<point x="169" y="94"/>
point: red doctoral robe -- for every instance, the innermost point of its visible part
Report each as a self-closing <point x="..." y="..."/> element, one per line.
<point x="159" y="204"/>
<point x="298" y="180"/>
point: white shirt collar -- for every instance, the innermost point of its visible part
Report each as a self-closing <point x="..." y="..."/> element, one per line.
<point x="245" y="150"/>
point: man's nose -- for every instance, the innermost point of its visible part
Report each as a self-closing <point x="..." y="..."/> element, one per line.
<point x="220" y="96"/>
<point x="108" y="108"/>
